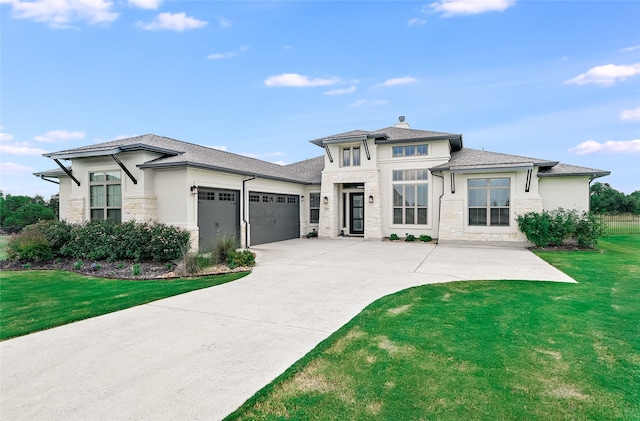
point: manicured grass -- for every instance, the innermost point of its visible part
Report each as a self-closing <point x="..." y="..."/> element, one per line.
<point x="38" y="300"/>
<point x="504" y="350"/>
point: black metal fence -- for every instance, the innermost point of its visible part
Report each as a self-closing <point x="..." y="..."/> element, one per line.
<point x="624" y="223"/>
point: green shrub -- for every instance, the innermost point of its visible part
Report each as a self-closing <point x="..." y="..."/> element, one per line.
<point x="58" y="233"/>
<point x="588" y="229"/>
<point x="222" y="248"/>
<point x="410" y="237"/>
<point x="313" y="234"/>
<point x="191" y="264"/>
<point x="78" y="265"/>
<point x="136" y="269"/>
<point x="554" y="228"/>
<point x="241" y="258"/>
<point x="425" y="238"/>
<point x="140" y="242"/>
<point x="394" y="237"/>
<point x="30" y="246"/>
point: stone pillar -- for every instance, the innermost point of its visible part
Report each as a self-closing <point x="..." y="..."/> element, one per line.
<point x="139" y="208"/>
<point x="75" y="210"/>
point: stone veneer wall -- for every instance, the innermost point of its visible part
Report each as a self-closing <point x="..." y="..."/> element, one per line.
<point x="453" y="225"/>
<point x="75" y="210"/>
<point x="139" y="208"/>
<point x="329" y="213"/>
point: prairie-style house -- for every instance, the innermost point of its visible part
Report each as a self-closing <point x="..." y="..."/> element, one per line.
<point x="366" y="183"/>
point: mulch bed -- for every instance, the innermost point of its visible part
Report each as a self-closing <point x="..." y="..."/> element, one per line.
<point x="116" y="270"/>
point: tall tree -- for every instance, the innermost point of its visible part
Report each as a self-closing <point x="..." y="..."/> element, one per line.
<point x="19" y="211"/>
<point x="606" y="199"/>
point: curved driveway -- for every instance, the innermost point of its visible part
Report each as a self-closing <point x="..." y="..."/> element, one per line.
<point x="202" y="354"/>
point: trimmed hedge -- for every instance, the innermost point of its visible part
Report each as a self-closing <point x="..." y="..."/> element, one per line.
<point x="104" y="240"/>
<point x="557" y="227"/>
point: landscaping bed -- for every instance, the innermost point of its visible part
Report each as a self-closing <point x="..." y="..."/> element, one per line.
<point x="115" y="270"/>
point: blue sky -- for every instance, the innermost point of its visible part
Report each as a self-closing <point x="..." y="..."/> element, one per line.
<point x="557" y="80"/>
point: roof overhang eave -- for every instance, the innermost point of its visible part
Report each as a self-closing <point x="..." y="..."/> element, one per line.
<point x="489" y="168"/>
<point x="111" y="151"/>
<point x="592" y="174"/>
<point x="192" y="164"/>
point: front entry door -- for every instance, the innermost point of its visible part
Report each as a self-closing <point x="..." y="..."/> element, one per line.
<point x="356" y="225"/>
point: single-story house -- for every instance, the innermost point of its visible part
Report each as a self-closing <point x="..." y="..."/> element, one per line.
<point x="367" y="183"/>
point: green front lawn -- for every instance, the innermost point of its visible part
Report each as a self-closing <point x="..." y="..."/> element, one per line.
<point x="38" y="300"/>
<point x="504" y="350"/>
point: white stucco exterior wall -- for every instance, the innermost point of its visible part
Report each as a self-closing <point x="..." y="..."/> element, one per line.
<point x="565" y="192"/>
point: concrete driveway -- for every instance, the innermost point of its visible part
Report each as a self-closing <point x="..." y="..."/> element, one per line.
<point x="202" y="354"/>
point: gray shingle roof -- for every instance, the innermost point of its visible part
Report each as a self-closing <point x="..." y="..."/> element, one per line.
<point x="176" y="153"/>
<point x="475" y="159"/>
<point x="568" y="170"/>
<point x="393" y="134"/>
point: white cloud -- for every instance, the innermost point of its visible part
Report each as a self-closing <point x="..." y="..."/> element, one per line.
<point x="294" y="80"/>
<point x="20" y="149"/>
<point x="60" y="136"/>
<point x="224" y="22"/>
<point x="145" y="4"/>
<point x="398" y="81"/>
<point x="172" y="21"/>
<point x="220" y="148"/>
<point x="606" y="75"/>
<point x="13" y="169"/>
<point x="61" y="13"/>
<point x="633" y="48"/>
<point x="630" y="115"/>
<point x="368" y="103"/>
<point x="341" y="91"/>
<point x="6" y="137"/>
<point x="608" y="147"/>
<point x="231" y="54"/>
<point x="450" y="8"/>
<point x="416" y="21"/>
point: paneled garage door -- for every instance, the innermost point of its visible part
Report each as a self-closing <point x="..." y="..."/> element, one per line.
<point x="218" y="214"/>
<point x="273" y="217"/>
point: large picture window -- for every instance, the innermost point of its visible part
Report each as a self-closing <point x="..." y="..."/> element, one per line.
<point x="410" y="199"/>
<point x="314" y="208"/>
<point x="105" y="196"/>
<point x="489" y="200"/>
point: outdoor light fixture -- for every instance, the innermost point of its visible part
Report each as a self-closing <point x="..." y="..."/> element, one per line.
<point x="194" y="189"/>
<point x="302" y="198"/>
<point x="325" y="200"/>
<point x="370" y="198"/>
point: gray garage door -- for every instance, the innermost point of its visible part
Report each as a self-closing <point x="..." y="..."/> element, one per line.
<point x="218" y="214"/>
<point x="273" y="217"/>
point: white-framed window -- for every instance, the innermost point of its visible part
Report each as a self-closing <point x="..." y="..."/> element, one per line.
<point x="410" y="197"/>
<point x="105" y="196"/>
<point x="410" y="150"/>
<point x="314" y="208"/>
<point x="351" y="156"/>
<point x="489" y="201"/>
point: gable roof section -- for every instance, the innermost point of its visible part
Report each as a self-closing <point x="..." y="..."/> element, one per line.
<point x="176" y="153"/>
<point x="390" y="135"/>
<point x="475" y="160"/>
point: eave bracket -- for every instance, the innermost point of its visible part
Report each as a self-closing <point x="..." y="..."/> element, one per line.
<point x="126" y="171"/>
<point x="67" y="171"/>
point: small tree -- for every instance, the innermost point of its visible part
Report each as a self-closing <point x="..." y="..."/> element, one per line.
<point x="20" y="211"/>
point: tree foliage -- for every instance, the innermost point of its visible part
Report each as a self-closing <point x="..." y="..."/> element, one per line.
<point x="20" y="211"/>
<point x="606" y="199"/>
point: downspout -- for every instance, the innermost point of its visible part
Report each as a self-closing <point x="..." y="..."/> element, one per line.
<point x="244" y="211"/>
<point x="439" y="204"/>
